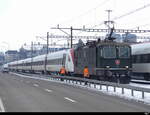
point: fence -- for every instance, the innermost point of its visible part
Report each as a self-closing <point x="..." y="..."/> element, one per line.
<point x="89" y="83"/>
<point x="94" y="83"/>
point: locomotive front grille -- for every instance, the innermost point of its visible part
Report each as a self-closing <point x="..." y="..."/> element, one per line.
<point x="96" y="69"/>
<point x="112" y="71"/>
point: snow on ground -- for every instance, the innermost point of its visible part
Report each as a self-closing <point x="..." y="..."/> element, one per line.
<point x="127" y="92"/>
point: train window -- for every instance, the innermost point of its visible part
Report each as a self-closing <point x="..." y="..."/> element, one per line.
<point x="109" y="52"/>
<point x="138" y="59"/>
<point x="133" y="59"/>
<point x="144" y="58"/>
<point x="148" y="58"/>
<point x="100" y="52"/>
<point x="124" y="52"/>
<point x="55" y="61"/>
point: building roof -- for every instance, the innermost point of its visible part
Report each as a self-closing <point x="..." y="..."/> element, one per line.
<point x="11" y="52"/>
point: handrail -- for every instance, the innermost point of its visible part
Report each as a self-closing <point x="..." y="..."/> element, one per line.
<point x="103" y="83"/>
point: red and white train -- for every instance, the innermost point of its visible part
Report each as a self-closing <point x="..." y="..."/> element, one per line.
<point x="46" y="63"/>
<point x="109" y="61"/>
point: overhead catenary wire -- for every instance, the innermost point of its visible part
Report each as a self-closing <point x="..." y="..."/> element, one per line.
<point x="131" y="12"/>
<point x="126" y="14"/>
<point x="118" y="17"/>
<point x="87" y="12"/>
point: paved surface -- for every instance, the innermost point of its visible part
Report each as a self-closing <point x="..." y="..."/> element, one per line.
<point x="29" y="95"/>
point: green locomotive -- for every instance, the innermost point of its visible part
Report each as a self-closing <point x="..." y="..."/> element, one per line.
<point x="106" y="60"/>
<point x="109" y="61"/>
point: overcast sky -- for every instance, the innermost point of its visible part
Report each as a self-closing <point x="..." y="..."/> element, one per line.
<point x="22" y="20"/>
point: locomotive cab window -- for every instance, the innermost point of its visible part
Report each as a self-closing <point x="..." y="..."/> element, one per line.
<point x="124" y="52"/>
<point x="109" y="51"/>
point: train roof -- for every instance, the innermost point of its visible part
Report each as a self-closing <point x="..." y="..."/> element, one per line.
<point x="57" y="54"/>
<point x="12" y="62"/>
<point x="141" y="48"/>
<point x="113" y="43"/>
<point x="20" y="61"/>
<point x="103" y="43"/>
<point x="39" y="58"/>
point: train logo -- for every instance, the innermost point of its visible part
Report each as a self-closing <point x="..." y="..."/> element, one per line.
<point x="117" y="62"/>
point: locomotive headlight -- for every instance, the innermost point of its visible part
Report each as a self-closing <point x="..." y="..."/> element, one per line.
<point x="126" y="67"/>
<point x="107" y="67"/>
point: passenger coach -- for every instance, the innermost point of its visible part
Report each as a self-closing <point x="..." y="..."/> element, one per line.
<point x="50" y="63"/>
<point x="141" y="60"/>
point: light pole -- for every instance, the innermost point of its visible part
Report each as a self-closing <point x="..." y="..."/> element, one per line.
<point x="47" y="42"/>
<point x="6" y="58"/>
<point x="70" y="35"/>
<point x="47" y="51"/>
<point x="31" y="55"/>
<point x="108" y="22"/>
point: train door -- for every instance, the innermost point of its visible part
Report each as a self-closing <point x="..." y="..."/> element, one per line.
<point x="64" y="60"/>
<point x="45" y="64"/>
